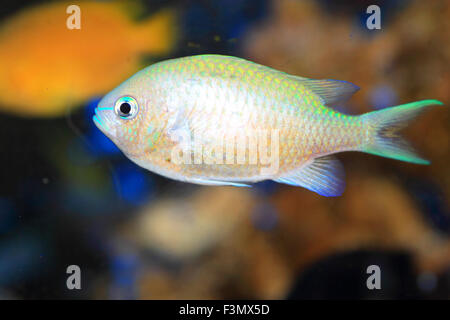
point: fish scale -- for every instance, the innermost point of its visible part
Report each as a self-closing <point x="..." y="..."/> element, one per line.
<point x="209" y="101"/>
<point x="266" y="88"/>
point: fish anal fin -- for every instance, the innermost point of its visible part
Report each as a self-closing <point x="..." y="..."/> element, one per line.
<point x="324" y="176"/>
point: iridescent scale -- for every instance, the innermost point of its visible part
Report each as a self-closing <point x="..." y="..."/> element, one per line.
<point x="224" y="97"/>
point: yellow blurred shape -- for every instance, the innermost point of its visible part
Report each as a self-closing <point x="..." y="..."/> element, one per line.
<point x="46" y="68"/>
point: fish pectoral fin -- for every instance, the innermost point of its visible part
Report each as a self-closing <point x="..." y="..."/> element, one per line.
<point x="324" y="176"/>
<point x="212" y="182"/>
<point x="330" y="91"/>
<point x="178" y="130"/>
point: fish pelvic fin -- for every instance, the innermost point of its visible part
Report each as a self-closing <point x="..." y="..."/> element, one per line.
<point x="213" y="182"/>
<point x="157" y="35"/>
<point x="324" y="175"/>
<point x="382" y="138"/>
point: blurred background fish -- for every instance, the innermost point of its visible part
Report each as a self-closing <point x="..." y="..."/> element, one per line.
<point x="36" y="79"/>
<point x="69" y="196"/>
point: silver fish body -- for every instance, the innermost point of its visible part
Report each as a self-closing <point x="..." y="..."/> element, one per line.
<point x="222" y="120"/>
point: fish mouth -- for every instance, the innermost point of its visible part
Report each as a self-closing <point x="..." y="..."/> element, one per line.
<point x="99" y="120"/>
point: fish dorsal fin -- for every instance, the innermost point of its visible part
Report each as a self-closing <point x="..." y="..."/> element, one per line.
<point x="323" y="175"/>
<point x="330" y="91"/>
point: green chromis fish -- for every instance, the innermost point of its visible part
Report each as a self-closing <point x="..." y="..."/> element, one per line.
<point x="221" y="120"/>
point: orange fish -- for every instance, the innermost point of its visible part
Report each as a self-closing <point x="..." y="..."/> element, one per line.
<point x="45" y="67"/>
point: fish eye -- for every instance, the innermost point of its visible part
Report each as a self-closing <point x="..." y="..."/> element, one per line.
<point x="126" y="108"/>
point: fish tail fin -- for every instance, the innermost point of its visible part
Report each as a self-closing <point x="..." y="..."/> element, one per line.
<point x="157" y="34"/>
<point x="382" y="138"/>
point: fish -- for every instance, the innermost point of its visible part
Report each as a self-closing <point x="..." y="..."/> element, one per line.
<point x="47" y="68"/>
<point x="222" y="120"/>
